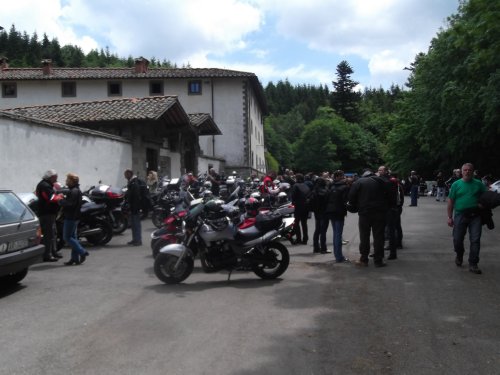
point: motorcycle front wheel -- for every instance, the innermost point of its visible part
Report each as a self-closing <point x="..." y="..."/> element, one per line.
<point x="276" y="262"/>
<point x="164" y="268"/>
<point x="157" y="218"/>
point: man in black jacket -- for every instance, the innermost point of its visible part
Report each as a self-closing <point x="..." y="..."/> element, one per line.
<point x="47" y="212"/>
<point x="371" y="195"/>
<point x="336" y="212"/>
<point x="300" y="194"/>
<point x="133" y="198"/>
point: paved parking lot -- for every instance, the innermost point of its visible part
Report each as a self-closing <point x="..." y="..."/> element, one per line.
<point x="419" y="315"/>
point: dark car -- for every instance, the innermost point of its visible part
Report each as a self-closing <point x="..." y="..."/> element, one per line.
<point x="20" y="237"/>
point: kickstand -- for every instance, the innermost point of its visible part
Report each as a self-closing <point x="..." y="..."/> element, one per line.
<point x="229" y="275"/>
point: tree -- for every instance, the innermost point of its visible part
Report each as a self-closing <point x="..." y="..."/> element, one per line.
<point x="345" y="101"/>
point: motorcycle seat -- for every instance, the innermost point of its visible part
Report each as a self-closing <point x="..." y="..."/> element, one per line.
<point x="91" y="206"/>
<point x="245" y="235"/>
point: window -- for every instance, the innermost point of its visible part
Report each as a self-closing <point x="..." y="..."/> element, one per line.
<point x="156" y="88"/>
<point x="114" y="89"/>
<point x="68" y="89"/>
<point x="9" y="90"/>
<point x="194" y="87"/>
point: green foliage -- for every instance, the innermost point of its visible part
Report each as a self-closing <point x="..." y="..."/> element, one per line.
<point x="451" y="113"/>
<point x="329" y="142"/>
<point x="271" y="163"/>
<point x="344" y="99"/>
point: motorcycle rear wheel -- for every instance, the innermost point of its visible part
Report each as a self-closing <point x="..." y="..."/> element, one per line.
<point x="164" y="268"/>
<point x="279" y="257"/>
<point x="105" y="236"/>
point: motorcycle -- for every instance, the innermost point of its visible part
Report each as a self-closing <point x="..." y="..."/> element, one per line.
<point x="113" y="198"/>
<point x="93" y="225"/>
<point x="222" y="245"/>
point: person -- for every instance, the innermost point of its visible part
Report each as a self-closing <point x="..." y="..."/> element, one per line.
<point x="133" y="198"/>
<point x="455" y="176"/>
<point x="414" y="186"/>
<point x="392" y="212"/>
<point x="268" y="188"/>
<point x="71" y="205"/>
<point x="47" y="212"/>
<point x="370" y="194"/>
<point x="400" y="200"/>
<point x="300" y="193"/>
<point x="440" y="187"/>
<point x="336" y="212"/>
<point x="318" y="205"/>
<point x="463" y="215"/>
<point x="215" y="180"/>
<point x="152" y="181"/>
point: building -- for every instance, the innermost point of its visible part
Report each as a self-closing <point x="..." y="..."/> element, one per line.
<point x="163" y="137"/>
<point x="234" y="100"/>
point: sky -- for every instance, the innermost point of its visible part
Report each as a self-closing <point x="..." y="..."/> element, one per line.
<point x="301" y="41"/>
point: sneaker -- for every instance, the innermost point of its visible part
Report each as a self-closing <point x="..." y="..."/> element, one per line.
<point x="380" y="264"/>
<point x="326" y="251"/>
<point x="345" y="242"/>
<point x="344" y="260"/>
<point x="458" y="261"/>
<point x="392" y="256"/>
<point x="474" y="269"/>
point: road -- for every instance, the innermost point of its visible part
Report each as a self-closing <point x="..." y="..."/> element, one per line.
<point x="419" y="315"/>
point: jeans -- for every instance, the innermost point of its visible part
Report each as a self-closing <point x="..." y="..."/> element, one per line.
<point x="372" y="222"/>
<point x="301" y="221"/>
<point x="135" y="223"/>
<point x="440" y="194"/>
<point x="338" y="228"/>
<point x="392" y="232"/>
<point x="320" y="229"/>
<point x="461" y="224"/>
<point x="69" y="236"/>
<point x="414" y="195"/>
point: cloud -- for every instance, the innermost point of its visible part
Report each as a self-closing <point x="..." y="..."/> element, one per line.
<point x="178" y="31"/>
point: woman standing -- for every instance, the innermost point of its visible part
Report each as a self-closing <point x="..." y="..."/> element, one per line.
<point x="71" y="205"/>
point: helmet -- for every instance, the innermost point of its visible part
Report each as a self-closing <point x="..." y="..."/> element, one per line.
<point x="282" y="197"/>
<point x="207" y="185"/>
<point x="213" y="209"/>
<point x="256" y="195"/>
<point x="252" y="206"/>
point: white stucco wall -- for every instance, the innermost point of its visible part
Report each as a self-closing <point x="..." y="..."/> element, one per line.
<point x="27" y="150"/>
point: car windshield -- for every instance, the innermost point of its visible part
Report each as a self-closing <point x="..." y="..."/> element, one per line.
<point x="12" y="210"/>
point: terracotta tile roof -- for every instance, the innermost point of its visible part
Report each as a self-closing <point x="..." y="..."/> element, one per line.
<point x="116" y="73"/>
<point x="204" y="123"/>
<point x="149" y="108"/>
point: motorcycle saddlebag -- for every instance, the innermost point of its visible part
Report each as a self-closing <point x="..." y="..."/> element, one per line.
<point x="268" y="221"/>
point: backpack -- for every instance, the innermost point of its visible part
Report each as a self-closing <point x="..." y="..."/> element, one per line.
<point x="146" y="203"/>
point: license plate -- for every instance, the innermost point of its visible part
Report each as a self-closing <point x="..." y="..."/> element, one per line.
<point x="17" y="245"/>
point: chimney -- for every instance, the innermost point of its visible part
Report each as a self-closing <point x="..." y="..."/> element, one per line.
<point x="4" y="63"/>
<point x="141" y="65"/>
<point x="47" y="66"/>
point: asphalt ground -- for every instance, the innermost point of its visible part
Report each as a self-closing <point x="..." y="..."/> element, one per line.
<point x="419" y="315"/>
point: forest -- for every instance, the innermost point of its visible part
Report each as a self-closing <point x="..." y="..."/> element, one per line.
<point x="448" y="112"/>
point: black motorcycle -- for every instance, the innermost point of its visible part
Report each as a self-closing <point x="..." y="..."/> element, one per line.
<point x="113" y="198"/>
<point x="93" y="225"/>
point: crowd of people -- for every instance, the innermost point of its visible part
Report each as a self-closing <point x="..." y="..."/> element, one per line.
<point x="376" y="196"/>
<point x="378" y="199"/>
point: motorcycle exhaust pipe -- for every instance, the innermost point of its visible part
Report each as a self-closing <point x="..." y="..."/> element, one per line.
<point x="90" y="232"/>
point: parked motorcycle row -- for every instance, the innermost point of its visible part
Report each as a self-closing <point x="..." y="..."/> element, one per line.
<point x="238" y="230"/>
